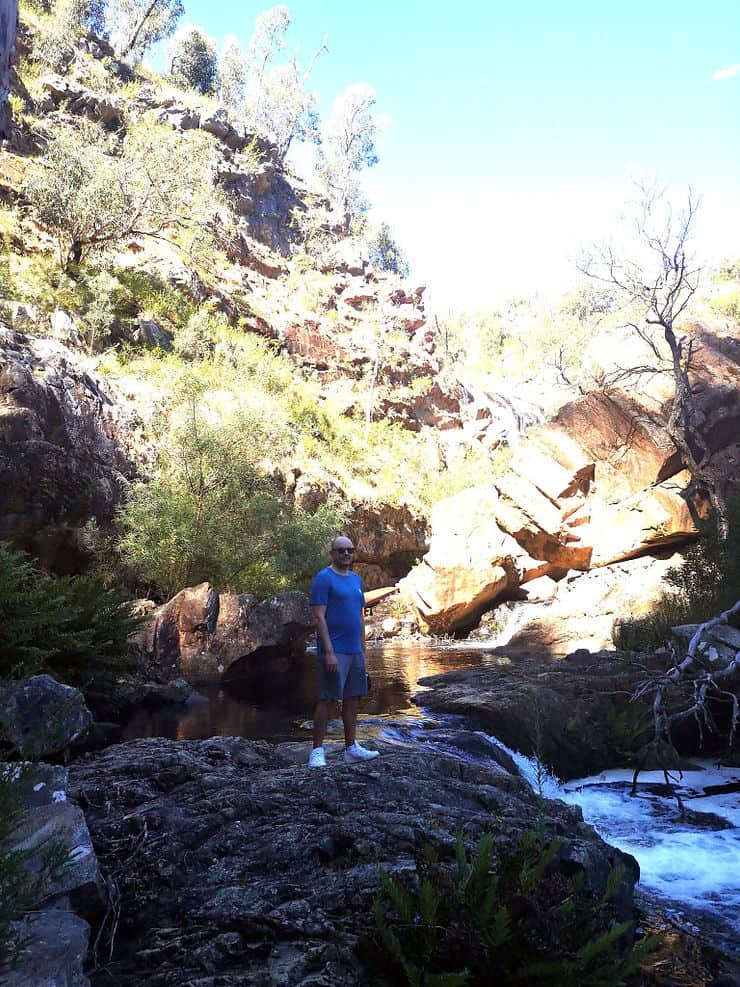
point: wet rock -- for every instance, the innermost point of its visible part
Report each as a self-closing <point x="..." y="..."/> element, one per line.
<point x="565" y="713"/>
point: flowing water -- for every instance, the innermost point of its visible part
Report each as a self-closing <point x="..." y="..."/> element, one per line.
<point x="689" y="858"/>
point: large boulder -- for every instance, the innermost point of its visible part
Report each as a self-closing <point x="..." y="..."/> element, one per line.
<point x="569" y="714"/>
<point x="41" y="716"/>
<point x="68" y="445"/>
<point x="581" y="610"/>
<point x="599" y="484"/>
<point x="260" y="833"/>
<point x="54" y="933"/>
<point x="470" y="563"/>
<point x="200" y="634"/>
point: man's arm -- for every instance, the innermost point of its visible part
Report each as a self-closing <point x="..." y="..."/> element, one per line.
<point x="319" y="619"/>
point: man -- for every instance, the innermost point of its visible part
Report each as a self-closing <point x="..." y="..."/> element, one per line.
<point x="337" y="601"/>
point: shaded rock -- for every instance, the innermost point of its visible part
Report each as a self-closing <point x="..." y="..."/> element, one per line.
<point x="260" y="834"/>
<point x="150" y="333"/>
<point x="68" y="444"/>
<point x="42" y="716"/>
<point x="389" y="538"/>
<point x="560" y="712"/>
<point x="57" y="949"/>
<point x="200" y="634"/>
<point x="23" y="316"/>
<point x="99" y="107"/>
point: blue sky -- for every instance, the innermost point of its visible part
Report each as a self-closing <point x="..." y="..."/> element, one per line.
<point x="512" y="132"/>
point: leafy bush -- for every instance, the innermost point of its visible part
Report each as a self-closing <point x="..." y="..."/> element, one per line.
<point x="92" y="193"/>
<point x="197" y="339"/>
<point x="75" y="627"/>
<point x="215" y="510"/>
<point x="707" y="583"/>
<point x="488" y="919"/>
<point x="727" y="305"/>
<point x="145" y="292"/>
<point x="194" y="61"/>
<point x="385" y="252"/>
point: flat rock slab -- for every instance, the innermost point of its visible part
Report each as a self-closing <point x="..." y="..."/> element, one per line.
<point x="236" y="864"/>
<point x="569" y="713"/>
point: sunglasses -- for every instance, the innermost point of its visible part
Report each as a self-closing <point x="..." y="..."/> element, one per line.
<point x="346" y="551"/>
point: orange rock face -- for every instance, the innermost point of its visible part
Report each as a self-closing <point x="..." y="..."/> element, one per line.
<point x="600" y="484"/>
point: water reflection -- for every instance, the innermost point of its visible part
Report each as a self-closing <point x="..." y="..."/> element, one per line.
<point x="273" y="698"/>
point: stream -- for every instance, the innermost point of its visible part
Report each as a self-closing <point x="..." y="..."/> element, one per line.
<point x="689" y="860"/>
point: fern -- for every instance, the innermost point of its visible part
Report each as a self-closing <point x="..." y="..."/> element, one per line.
<point x="518" y="921"/>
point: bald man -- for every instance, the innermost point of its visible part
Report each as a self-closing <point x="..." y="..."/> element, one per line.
<point x="337" y="602"/>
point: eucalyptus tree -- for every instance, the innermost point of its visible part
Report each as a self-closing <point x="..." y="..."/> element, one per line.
<point x="348" y="146"/>
<point x="194" y="63"/>
<point x="136" y="25"/>
<point x="232" y="74"/>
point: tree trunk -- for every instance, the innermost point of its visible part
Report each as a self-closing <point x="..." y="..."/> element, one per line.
<point x="131" y="43"/>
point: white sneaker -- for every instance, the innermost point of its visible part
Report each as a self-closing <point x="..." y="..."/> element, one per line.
<point x="317" y="758"/>
<point x="359" y="753"/>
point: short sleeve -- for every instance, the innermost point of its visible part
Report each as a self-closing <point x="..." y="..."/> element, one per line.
<point x="319" y="591"/>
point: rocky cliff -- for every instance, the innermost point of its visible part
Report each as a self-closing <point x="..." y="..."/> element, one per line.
<point x="598" y="485"/>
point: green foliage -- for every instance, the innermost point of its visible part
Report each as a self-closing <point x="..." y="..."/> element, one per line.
<point x="507" y="920"/>
<point x="16" y="893"/>
<point x="197" y="339"/>
<point x="215" y="510"/>
<point x="194" y="62"/>
<point x="348" y="146"/>
<point x="146" y="293"/>
<point x="707" y="583"/>
<point x="385" y="252"/>
<point x="136" y="25"/>
<point x="92" y="193"/>
<point x="75" y="627"/>
<point x="727" y="305"/>
<point x="232" y="73"/>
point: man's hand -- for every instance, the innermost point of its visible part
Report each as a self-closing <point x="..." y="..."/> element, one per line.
<point x="331" y="663"/>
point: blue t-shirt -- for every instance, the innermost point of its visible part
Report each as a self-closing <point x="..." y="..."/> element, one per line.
<point x="344" y="599"/>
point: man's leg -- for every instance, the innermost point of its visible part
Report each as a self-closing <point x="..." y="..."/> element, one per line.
<point x="350" y="709"/>
<point x="321" y="720"/>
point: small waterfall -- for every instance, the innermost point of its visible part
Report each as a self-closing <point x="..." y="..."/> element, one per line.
<point x="688" y="860"/>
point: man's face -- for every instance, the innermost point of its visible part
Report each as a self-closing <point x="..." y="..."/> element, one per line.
<point x="342" y="553"/>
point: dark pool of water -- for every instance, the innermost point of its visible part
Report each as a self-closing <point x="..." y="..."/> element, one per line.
<point x="274" y="702"/>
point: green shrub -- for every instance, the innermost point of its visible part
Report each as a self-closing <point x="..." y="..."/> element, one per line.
<point x="92" y="192"/>
<point x="707" y="583"/>
<point x="385" y="252"/>
<point x="215" y="510"/>
<point x="16" y="894"/>
<point x="727" y="305"/>
<point x="197" y="339"/>
<point x="75" y="627"/>
<point x="145" y="292"/>
<point x="490" y="919"/>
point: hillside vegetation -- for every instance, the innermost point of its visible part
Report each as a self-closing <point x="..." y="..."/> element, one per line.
<point x="282" y="370"/>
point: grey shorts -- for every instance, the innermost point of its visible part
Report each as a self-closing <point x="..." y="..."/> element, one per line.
<point x="349" y="680"/>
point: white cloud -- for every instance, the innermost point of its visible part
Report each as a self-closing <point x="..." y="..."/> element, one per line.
<point x="729" y="73"/>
